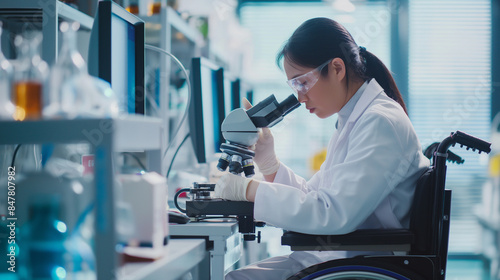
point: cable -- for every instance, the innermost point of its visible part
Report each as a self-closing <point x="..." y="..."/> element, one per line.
<point x="153" y="48"/>
<point x="176" y="196"/>
<point x="14" y="155"/>
<point x="175" y="154"/>
<point x="136" y="159"/>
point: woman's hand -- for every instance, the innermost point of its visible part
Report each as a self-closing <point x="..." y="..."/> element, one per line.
<point x="234" y="187"/>
<point x="265" y="157"/>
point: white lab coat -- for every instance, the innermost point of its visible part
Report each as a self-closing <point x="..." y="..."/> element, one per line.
<point x="367" y="180"/>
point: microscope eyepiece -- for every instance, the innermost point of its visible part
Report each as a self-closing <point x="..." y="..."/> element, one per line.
<point x="269" y="112"/>
<point x="289" y="104"/>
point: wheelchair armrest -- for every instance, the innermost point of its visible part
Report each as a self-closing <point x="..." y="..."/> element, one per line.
<point x="360" y="240"/>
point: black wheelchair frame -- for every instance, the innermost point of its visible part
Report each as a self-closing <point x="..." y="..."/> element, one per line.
<point x="425" y="243"/>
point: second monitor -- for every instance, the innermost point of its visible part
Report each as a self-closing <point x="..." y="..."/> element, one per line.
<point x="116" y="54"/>
<point x="207" y="110"/>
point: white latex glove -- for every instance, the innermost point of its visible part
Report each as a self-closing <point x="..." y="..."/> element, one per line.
<point x="232" y="187"/>
<point x="265" y="157"/>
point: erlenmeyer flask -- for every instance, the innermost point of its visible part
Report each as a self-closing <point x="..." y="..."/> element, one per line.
<point x="29" y="76"/>
<point x="70" y="65"/>
<point x="6" y="71"/>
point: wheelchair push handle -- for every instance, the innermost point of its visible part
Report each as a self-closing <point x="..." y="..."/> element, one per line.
<point x="463" y="139"/>
<point x="471" y="142"/>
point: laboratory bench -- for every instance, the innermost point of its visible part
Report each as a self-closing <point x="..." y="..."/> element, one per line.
<point x="224" y="243"/>
<point x="180" y="257"/>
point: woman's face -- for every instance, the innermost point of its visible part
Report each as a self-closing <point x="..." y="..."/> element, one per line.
<point x="328" y="95"/>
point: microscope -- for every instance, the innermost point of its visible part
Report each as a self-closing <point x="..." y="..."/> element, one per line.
<point x="240" y="129"/>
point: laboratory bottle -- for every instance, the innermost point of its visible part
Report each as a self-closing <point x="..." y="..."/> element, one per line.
<point x="43" y="254"/>
<point x="154" y="7"/>
<point x="133" y="7"/>
<point x="6" y="72"/>
<point x="30" y="72"/>
<point x="70" y="66"/>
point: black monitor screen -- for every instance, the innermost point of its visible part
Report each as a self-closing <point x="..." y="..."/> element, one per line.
<point x="206" y="112"/>
<point x="228" y="95"/>
<point x="232" y="94"/>
<point x="116" y="54"/>
<point x="245" y="90"/>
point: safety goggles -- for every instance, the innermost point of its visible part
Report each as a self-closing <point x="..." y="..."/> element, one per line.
<point x="303" y="83"/>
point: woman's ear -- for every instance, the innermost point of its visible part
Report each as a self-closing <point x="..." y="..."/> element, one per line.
<point x="338" y="67"/>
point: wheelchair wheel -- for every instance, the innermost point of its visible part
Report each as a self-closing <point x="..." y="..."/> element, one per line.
<point x="360" y="270"/>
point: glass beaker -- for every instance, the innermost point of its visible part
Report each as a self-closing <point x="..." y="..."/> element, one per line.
<point x="29" y="75"/>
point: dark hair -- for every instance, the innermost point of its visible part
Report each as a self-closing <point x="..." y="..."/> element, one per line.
<point x="319" y="39"/>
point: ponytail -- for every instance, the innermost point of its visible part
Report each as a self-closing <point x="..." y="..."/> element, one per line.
<point x="376" y="69"/>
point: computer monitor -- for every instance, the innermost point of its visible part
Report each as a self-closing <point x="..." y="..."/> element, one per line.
<point x="249" y="95"/>
<point x="116" y="54"/>
<point x="206" y="111"/>
<point x="232" y="98"/>
<point x="245" y="89"/>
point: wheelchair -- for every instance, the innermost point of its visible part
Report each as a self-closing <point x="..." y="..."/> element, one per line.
<point x="424" y="244"/>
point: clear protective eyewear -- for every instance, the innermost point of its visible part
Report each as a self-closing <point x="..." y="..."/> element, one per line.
<point x="303" y="83"/>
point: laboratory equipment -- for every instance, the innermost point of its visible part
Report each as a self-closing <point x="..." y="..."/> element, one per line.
<point x="118" y="30"/>
<point x="72" y="92"/>
<point x="206" y="111"/>
<point x="147" y="196"/>
<point x="132" y="7"/>
<point x="240" y="129"/>
<point x="70" y="65"/>
<point x="154" y="8"/>
<point x="203" y="207"/>
<point x="43" y="253"/>
<point x="30" y="72"/>
<point x="6" y="106"/>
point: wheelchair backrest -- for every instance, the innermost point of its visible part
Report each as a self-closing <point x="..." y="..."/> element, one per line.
<point x="421" y="217"/>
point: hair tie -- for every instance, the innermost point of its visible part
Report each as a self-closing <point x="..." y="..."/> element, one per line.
<point x="362" y="55"/>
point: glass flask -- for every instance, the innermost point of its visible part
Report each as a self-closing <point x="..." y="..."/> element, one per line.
<point x="73" y="93"/>
<point x="6" y="71"/>
<point x="30" y="72"/>
<point x="70" y="64"/>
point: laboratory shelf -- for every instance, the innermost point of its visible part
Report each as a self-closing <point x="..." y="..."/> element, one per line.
<point x="44" y="15"/>
<point x="160" y="27"/>
<point x="130" y="133"/>
<point x="180" y="257"/>
<point x="105" y="137"/>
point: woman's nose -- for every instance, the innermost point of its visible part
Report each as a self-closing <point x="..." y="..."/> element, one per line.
<point x="302" y="97"/>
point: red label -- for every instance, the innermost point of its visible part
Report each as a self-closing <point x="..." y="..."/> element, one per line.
<point x="88" y="164"/>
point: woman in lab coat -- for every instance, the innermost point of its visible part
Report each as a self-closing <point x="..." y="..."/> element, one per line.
<point x="373" y="159"/>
